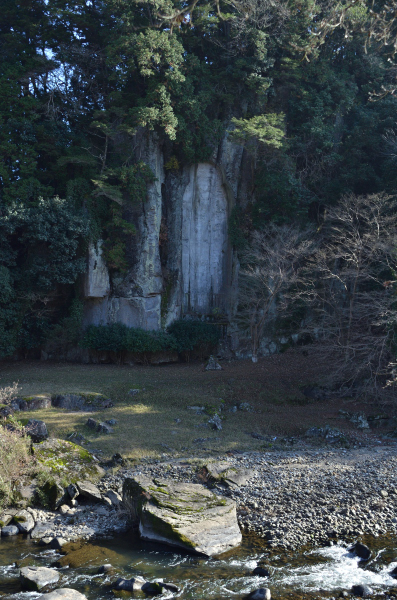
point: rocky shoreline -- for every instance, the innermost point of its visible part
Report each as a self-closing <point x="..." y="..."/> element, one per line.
<point x="295" y="498"/>
<point x="290" y="498"/>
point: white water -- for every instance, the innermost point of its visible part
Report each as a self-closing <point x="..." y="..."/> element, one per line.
<point x="341" y="571"/>
<point x="326" y="570"/>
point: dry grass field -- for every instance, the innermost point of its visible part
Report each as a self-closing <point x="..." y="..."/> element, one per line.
<point x="157" y="421"/>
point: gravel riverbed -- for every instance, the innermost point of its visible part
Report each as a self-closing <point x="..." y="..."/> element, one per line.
<point x="294" y="498"/>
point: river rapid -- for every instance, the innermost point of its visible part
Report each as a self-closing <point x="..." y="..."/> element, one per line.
<point x="314" y="573"/>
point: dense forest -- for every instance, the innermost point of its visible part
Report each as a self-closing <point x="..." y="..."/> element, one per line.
<point x="306" y="87"/>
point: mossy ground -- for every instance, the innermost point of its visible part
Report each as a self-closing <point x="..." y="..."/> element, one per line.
<point x="147" y="422"/>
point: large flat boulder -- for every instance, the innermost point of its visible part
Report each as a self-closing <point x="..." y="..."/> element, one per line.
<point x="35" y="578"/>
<point x="89" y="491"/>
<point x="185" y="515"/>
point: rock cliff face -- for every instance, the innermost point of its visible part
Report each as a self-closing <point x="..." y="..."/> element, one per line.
<point x="180" y="260"/>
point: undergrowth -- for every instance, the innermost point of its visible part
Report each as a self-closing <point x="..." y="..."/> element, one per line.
<point x="16" y="462"/>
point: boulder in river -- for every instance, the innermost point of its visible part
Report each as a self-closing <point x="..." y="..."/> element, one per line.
<point x="185" y="515"/>
<point x="57" y="543"/>
<point x="261" y="572"/>
<point x="35" y="578"/>
<point x="361" y="550"/>
<point x="63" y="594"/>
<point x="129" y="585"/>
<point x="362" y="590"/>
<point x="139" y="584"/>
<point x="260" y="594"/>
<point x="103" y="569"/>
<point x="9" y="530"/>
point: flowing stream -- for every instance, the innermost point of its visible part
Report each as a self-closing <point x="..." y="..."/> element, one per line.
<point x="323" y="572"/>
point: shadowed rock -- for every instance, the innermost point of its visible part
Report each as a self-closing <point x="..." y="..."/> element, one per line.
<point x="361" y="550"/>
<point x="89" y="490"/>
<point x="37" y="430"/>
<point x="260" y="594"/>
<point x="362" y="590"/>
<point x="261" y="572"/>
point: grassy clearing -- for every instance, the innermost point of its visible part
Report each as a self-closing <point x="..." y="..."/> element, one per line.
<point x="146" y="422"/>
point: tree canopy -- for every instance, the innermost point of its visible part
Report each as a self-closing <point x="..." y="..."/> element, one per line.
<point x="307" y="87"/>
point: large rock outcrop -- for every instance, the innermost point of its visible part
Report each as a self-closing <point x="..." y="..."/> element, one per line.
<point x="180" y="260"/>
<point x="185" y="515"/>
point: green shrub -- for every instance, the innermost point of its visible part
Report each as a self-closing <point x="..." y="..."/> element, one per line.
<point x="194" y="335"/>
<point x="183" y="336"/>
<point x="142" y="341"/>
<point x="106" y="338"/>
<point x="119" y="338"/>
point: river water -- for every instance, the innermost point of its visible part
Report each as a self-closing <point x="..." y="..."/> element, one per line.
<point x="319" y="573"/>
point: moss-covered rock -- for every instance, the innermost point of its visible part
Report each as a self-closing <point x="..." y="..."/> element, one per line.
<point x="81" y="401"/>
<point x="185" y="515"/>
<point x="38" y="402"/>
<point x="67" y="461"/>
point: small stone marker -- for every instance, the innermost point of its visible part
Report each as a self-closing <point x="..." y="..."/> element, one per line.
<point x="213" y="365"/>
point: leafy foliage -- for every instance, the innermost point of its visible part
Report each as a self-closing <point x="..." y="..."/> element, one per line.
<point x="194" y="334"/>
<point x="119" y="338"/>
<point x="266" y="129"/>
<point x="183" y="336"/>
<point x="39" y="256"/>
